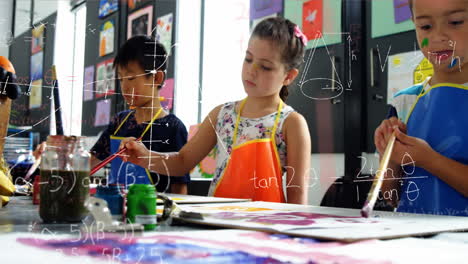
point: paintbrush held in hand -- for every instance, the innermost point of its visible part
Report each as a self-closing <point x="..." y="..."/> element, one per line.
<point x="109" y="159"/>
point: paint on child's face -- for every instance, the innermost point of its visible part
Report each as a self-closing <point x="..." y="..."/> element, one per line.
<point x="425" y="42"/>
<point x="442" y="29"/>
<point x="453" y="63"/>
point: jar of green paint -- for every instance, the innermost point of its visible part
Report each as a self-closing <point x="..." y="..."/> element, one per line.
<point x="141" y="205"/>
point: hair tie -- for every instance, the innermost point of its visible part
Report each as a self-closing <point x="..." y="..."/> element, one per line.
<point x="298" y="33"/>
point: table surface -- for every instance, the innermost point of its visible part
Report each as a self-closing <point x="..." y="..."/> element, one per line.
<point x="20" y="218"/>
<point x="21" y="215"/>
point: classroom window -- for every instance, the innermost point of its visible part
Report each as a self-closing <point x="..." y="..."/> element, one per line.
<point x="71" y="25"/>
<point x="226" y="34"/>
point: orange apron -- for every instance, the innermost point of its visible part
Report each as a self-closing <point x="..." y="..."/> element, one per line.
<point x="253" y="170"/>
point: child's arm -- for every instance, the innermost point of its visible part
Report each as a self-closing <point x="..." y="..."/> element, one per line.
<point x="451" y="172"/>
<point x="175" y="163"/>
<point x="298" y="146"/>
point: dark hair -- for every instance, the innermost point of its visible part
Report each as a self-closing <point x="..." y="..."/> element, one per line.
<point x="144" y="50"/>
<point x="410" y="2"/>
<point x="281" y="32"/>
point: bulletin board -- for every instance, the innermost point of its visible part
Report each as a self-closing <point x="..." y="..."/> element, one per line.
<point x="95" y="56"/>
<point x="20" y="55"/>
<point x="93" y="108"/>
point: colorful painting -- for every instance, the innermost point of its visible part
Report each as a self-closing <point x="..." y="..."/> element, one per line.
<point x="107" y="7"/>
<point x="105" y="78"/>
<point x="35" y="94"/>
<point x="140" y="22"/>
<point x="100" y="79"/>
<point x="340" y="224"/>
<point x="312" y="19"/>
<point x="402" y="10"/>
<point x="110" y="77"/>
<point x="106" y="38"/>
<point x="262" y="8"/>
<point x="36" y="66"/>
<point x="271" y="216"/>
<point x="88" y="83"/>
<point x="102" y="117"/>
<point x="134" y="4"/>
<point x="37" y="41"/>
<point x="206" y="168"/>
<point x="167" y="92"/>
<point x="223" y="246"/>
<point x="164" y="31"/>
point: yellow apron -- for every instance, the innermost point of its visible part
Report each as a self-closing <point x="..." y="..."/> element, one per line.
<point x="127" y="173"/>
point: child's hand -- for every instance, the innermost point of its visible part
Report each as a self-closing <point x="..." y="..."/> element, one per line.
<point x="384" y="132"/>
<point x="39" y="150"/>
<point x="135" y="152"/>
<point x="418" y="149"/>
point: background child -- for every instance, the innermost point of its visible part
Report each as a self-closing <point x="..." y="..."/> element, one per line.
<point x="159" y="131"/>
<point x="435" y="134"/>
<point x="258" y="138"/>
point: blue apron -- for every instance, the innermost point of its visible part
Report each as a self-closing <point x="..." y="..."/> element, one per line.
<point x="440" y="117"/>
<point x="127" y="173"/>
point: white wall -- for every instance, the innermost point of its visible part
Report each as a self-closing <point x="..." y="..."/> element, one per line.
<point x="6" y="16"/>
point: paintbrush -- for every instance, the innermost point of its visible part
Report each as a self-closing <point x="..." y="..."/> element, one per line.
<point x="378" y="180"/>
<point x="109" y="159"/>
<point x="33" y="168"/>
<point x="172" y="208"/>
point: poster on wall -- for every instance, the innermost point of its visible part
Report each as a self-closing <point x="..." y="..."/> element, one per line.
<point x="134" y="4"/>
<point x="106" y="38"/>
<point x="404" y="70"/>
<point x="37" y="40"/>
<point x="167" y="91"/>
<point x="105" y="78"/>
<point x="36" y="66"/>
<point x="164" y="31"/>
<point x="402" y="10"/>
<point x="88" y="83"/>
<point x="35" y="94"/>
<point x="100" y="79"/>
<point x="262" y="8"/>
<point x="110" y="77"/>
<point x="140" y="22"/>
<point x="312" y="19"/>
<point x="107" y="7"/>
<point x="102" y="117"/>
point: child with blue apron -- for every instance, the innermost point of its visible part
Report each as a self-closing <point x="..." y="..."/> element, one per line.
<point x="439" y="116"/>
<point x="127" y="173"/>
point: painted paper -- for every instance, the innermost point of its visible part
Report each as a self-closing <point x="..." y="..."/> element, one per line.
<point x="107" y="7"/>
<point x="106" y="38"/>
<point x="35" y="94"/>
<point x="88" y="83"/>
<point x="164" y="31"/>
<point x="402" y="10"/>
<point x="140" y="22"/>
<point x="102" y="112"/>
<point x="167" y="91"/>
<point x="262" y="8"/>
<point x="105" y="78"/>
<point x="312" y="19"/>
<point x="36" y="66"/>
<point x="37" y="40"/>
